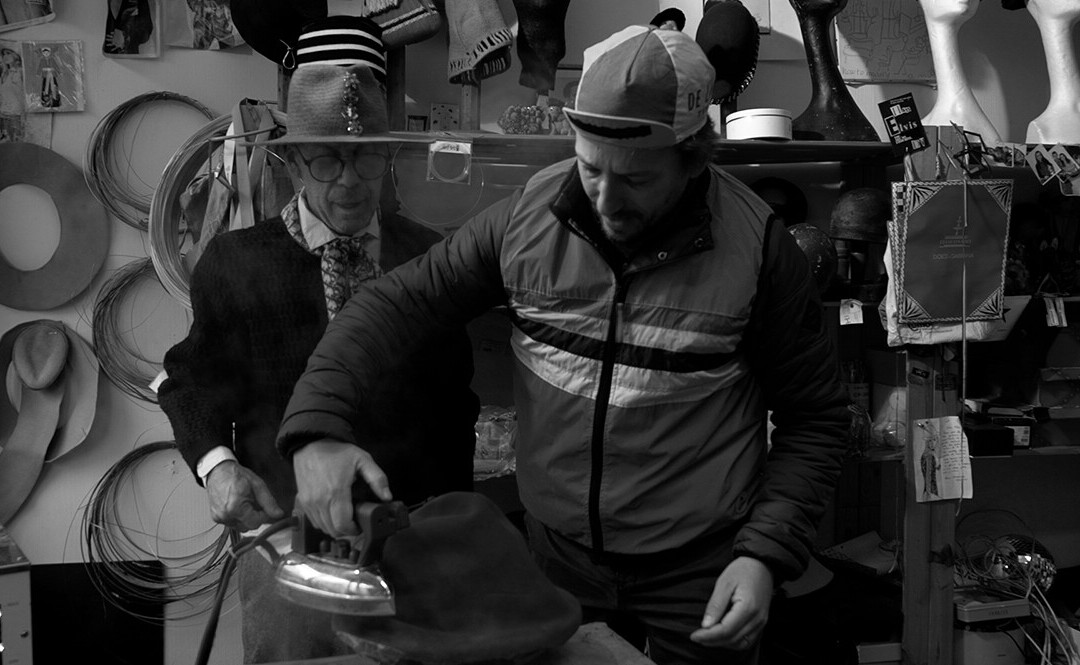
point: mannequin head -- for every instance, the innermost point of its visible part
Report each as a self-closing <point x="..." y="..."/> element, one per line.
<point x="949" y="11"/>
<point x="824" y="8"/>
<point x="1061" y="10"/>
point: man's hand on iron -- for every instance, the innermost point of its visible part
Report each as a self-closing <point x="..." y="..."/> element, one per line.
<point x="736" y="614"/>
<point x="325" y="472"/>
<point x="239" y="497"/>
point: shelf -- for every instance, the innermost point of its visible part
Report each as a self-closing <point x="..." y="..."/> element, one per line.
<point x="506" y="148"/>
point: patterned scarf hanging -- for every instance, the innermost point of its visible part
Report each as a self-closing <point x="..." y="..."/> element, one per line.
<point x="346" y="263"/>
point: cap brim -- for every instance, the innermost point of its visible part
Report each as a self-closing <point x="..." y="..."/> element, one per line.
<point x="634" y="132"/>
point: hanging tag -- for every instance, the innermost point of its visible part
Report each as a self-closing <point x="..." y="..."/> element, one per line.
<point x="850" y="312"/>
<point x="1055" y="311"/>
<point x="902" y="123"/>
<point x="450" y="161"/>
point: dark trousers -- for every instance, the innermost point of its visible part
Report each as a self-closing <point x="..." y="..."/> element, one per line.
<point x="652" y="601"/>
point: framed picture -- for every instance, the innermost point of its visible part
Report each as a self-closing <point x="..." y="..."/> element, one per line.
<point x="417" y="123"/>
<point x="566" y="83"/>
<point x="53" y="76"/>
<point x="16" y="14"/>
<point x="132" y="29"/>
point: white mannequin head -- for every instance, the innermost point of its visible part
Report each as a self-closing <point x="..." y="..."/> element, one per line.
<point x="949" y="11"/>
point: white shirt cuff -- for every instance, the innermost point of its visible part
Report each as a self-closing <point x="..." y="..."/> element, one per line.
<point x="211" y="459"/>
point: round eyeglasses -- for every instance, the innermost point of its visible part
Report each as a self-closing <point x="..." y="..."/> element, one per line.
<point x="328" y="167"/>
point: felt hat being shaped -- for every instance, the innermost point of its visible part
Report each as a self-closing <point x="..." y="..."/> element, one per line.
<point x="271" y="27"/>
<point x="466" y="590"/>
<point x="49" y="405"/>
<point x="643" y="87"/>
<point x="728" y="34"/>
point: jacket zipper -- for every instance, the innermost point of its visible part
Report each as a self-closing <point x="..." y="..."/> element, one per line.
<point x="603" y="392"/>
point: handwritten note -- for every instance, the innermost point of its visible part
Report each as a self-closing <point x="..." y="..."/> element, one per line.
<point x="942" y="465"/>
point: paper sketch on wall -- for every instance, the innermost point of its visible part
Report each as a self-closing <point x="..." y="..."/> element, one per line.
<point x="883" y="41"/>
<point x="200" y="24"/>
<point x="53" y="76"/>
<point x="132" y="29"/>
<point x="15" y="125"/>
<point x="16" y="14"/>
<point x="941" y="458"/>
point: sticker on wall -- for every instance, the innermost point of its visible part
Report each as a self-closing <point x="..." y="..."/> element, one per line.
<point x="15" y="14"/>
<point x="201" y="24"/>
<point x="53" y="76"/>
<point x="132" y="29"/>
<point x="15" y="125"/>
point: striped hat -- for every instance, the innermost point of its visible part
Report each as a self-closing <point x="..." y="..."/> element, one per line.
<point x="643" y="87"/>
<point x="343" y="40"/>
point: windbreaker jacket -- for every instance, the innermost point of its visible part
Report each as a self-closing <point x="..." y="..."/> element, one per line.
<point x="641" y="385"/>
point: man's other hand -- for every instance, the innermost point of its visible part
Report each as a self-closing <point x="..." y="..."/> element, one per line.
<point x="736" y="614"/>
<point x="325" y="472"/>
<point x="239" y="497"/>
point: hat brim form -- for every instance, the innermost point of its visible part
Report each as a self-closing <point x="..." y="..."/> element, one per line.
<point x="79" y="405"/>
<point x="632" y="132"/>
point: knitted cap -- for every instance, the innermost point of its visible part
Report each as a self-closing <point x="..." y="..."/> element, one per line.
<point x="479" y="40"/>
<point x="342" y="40"/>
<point x="643" y="87"/>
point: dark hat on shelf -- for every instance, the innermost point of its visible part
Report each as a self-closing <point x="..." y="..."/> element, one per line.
<point x="673" y="14"/>
<point x="728" y="33"/>
<point x="541" y="41"/>
<point x="466" y="590"/>
<point x="271" y="27"/>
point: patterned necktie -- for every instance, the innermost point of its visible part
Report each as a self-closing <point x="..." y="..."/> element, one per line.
<point x="345" y="262"/>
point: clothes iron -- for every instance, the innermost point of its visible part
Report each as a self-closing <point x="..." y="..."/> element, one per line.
<point x="337" y="575"/>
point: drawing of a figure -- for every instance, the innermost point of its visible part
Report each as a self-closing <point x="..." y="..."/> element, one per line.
<point x="11" y="96"/>
<point x="128" y="26"/>
<point x="210" y="22"/>
<point x="929" y="463"/>
<point x="50" y="83"/>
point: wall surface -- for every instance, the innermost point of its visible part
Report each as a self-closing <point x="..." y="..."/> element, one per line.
<point x="1001" y="52"/>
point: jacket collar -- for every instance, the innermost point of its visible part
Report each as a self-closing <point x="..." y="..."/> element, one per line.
<point x="686" y="230"/>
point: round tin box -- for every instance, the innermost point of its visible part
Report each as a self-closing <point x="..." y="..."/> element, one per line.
<point x="759" y="124"/>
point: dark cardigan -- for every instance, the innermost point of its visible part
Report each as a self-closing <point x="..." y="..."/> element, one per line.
<point x="259" y="311"/>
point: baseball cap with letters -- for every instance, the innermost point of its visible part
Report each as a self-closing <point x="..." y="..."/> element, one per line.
<point x="643" y="87"/>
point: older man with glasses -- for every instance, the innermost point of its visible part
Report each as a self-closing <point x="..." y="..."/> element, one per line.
<point x="261" y="298"/>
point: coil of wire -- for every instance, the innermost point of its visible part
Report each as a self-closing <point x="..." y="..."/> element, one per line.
<point x="166" y="224"/>
<point x="116" y="552"/>
<point x="122" y="364"/>
<point x="101" y="169"/>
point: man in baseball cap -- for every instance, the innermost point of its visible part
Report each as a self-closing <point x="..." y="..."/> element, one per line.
<point x="660" y="312"/>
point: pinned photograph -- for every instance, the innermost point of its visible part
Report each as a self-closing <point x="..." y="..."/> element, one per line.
<point x="15" y="14"/>
<point x="132" y="29"/>
<point x="53" y="76"/>
<point x="201" y="24"/>
<point x="1069" y="167"/>
<point x="15" y="125"/>
<point x="1042" y="164"/>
